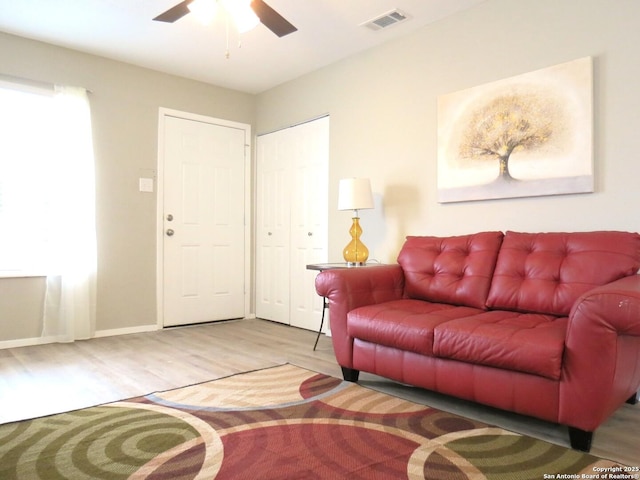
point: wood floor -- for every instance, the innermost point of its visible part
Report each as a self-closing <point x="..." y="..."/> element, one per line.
<point x="45" y="379"/>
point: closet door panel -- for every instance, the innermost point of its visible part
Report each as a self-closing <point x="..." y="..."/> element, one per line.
<point x="273" y="228"/>
<point x="292" y="219"/>
<point x="309" y="219"/>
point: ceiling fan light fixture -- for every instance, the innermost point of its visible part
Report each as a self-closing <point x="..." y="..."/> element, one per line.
<point x="242" y="14"/>
<point x="204" y="10"/>
<point x="246" y="14"/>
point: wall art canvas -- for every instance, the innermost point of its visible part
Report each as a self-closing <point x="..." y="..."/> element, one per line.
<point x="527" y="135"/>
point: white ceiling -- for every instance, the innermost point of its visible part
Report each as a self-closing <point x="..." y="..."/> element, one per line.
<point x="328" y="30"/>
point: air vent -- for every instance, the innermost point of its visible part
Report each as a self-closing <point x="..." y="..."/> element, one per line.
<point x="385" y="21"/>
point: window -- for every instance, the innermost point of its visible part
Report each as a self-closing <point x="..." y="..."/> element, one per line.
<point x="46" y="180"/>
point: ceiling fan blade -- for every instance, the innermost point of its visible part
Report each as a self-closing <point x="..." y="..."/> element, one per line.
<point x="272" y="19"/>
<point x="174" y="13"/>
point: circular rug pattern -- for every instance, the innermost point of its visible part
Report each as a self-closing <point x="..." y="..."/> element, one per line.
<point x="278" y="423"/>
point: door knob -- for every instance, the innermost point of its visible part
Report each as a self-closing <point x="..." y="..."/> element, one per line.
<point x="170" y="232"/>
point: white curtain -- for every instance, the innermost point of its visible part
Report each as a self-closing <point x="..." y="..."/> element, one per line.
<point x="69" y="307"/>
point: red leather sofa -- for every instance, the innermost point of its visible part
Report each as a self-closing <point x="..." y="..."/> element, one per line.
<point x="541" y="324"/>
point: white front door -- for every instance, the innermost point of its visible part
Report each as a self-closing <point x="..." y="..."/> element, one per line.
<point x="203" y="211"/>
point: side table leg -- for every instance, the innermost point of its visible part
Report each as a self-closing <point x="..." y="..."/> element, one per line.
<point x="325" y="305"/>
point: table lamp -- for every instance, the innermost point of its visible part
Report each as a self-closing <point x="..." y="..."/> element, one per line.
<point x="355" y="194"/>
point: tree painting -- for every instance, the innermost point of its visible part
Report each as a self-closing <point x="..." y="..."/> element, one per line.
<point x="526" y="135"/>
<point x="510" y="123"/>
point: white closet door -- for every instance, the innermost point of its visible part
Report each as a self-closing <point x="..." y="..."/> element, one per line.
<point x="273" y="227"/>
<point x="292" y="219"/>
<point x="309" y="219"/>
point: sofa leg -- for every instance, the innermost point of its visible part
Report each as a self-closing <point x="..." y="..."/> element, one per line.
<point x="350" y="375"/>
<point x="633" y="399"/>
<point x="580" y="439"/>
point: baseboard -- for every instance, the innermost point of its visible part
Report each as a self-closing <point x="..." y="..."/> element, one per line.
<point x="126" y="331"/>
<point x="30" y="342"/>
<point x="27" y="342"/>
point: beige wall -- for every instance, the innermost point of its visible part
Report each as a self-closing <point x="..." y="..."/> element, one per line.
<point x="383" y="125"/>
<point x="124" y="102"/>
<point x="384" y="120"/>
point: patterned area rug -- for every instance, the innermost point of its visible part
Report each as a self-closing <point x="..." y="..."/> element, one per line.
<point x="279" y="423"/>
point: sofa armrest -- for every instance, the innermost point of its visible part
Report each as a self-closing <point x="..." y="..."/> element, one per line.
<point x="601" y="368"/>
<point x="351" y="288"/>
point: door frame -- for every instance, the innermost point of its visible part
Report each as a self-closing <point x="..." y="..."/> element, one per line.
<point x="163" y="113"/>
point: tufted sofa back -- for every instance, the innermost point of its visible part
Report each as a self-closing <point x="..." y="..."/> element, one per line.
<point x="454" y="270"/>
<point x="547" y="272"/>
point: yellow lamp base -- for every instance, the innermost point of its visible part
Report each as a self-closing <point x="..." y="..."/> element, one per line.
<point x="355" y="253"/>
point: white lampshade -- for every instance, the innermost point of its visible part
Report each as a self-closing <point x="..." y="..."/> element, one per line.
<point x="354" y="194"/>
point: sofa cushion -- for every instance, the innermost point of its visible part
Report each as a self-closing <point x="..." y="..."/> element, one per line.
<point x="454" y="270"/>
<point x="525" y="342"/>
<point x="405" y="324"/>
<point x="547" y="272"/>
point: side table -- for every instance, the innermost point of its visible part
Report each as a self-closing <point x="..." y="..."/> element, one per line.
<point x="321" y="267"/>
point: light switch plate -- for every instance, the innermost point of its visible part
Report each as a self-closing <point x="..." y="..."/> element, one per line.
<point x="146" y="184"/>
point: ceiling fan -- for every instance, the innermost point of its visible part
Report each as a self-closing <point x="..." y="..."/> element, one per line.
<point x="267" y="15"/>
